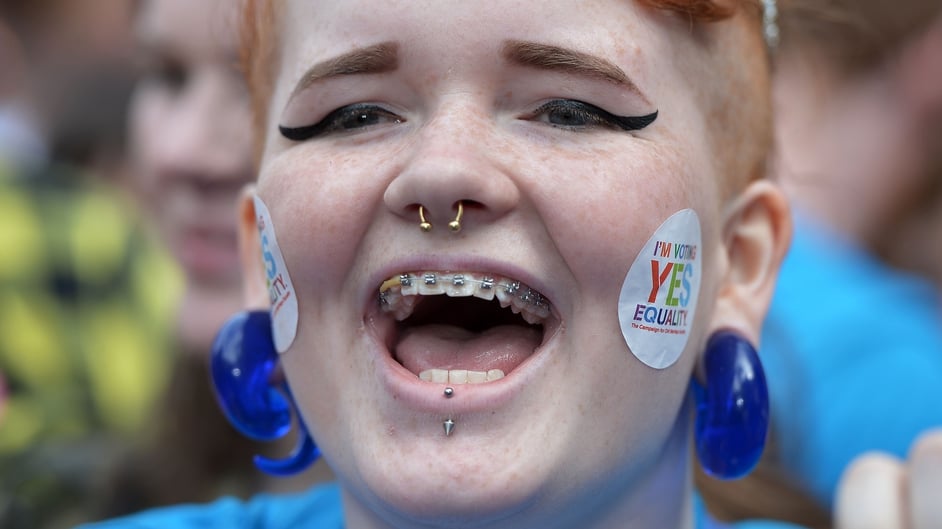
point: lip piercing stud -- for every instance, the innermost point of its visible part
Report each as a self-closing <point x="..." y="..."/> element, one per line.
<point x="425" y="225"/>
<point x="449" y="393"/>
<point x="449" y="427"/>
<point x="455" y="225"/>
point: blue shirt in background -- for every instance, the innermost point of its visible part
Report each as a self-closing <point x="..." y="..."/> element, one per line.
<point x="318" y="508"/>
<point x="853" y="354"/>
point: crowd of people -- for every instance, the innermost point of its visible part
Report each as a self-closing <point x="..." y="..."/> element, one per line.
<point x="251" y="252"/>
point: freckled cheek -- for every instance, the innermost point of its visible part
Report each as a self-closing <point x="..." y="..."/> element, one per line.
<point x="321" y="211"/>
<point x="617" y="204"/>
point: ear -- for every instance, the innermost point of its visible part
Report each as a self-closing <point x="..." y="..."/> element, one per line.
<point x="757" y="231"/>
<point x="254" y="290"/>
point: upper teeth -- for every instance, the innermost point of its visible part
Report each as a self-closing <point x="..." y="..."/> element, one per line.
<point x="400" y="294"/>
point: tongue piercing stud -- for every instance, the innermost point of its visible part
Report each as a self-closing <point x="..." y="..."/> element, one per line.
<point x="425" y="225"/>
<point x="454" y="225"/>
<point x="449" y="427"/>
<point x="449" y="393"/>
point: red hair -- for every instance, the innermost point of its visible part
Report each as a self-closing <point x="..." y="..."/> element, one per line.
<point x="259" y="59"/>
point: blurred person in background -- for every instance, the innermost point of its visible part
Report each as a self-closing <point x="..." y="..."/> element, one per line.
<point x="190" y="139"/>
<point x="85" y="293"/>
<point x="853" y="346"/>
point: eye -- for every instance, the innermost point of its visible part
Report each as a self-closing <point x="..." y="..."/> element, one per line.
<point x="578" y="116"/>
<point x="166" y="72"/>
<point x="350" y="118"/>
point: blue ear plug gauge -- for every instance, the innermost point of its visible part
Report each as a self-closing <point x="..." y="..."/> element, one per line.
<point x="242" y="366"/>
<point x="733" y="409"/>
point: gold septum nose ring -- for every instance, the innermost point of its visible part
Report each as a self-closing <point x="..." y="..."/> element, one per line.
<point x="424" y="224"/>
<point x="454" y="225"/>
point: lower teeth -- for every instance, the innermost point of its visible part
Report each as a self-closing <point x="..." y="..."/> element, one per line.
<point x="460" y="376"/>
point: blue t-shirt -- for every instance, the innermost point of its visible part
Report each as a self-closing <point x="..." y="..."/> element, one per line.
<point x="317" y="509"/>
<point x="853" y="354"/>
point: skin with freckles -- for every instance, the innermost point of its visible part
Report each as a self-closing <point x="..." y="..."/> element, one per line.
<point x="408" y="104"/>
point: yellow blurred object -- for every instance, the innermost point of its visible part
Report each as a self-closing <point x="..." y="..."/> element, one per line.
<point x="87" y="303"/>
<point x="21" y="241"/>
<point x="30" y="328"/>
<point x="98" y="235"/>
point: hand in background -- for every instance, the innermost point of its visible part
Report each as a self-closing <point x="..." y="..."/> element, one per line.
<point x="878" y="491"/>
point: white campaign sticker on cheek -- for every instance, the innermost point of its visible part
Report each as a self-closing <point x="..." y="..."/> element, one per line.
<point x="284" y="301"/>
<point x="659" y="296"/>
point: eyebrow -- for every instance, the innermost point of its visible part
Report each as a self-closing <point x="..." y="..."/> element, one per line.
<point x="378" y="58"/>
<point x="556" y="58"/>
<point x="384" y="57"/>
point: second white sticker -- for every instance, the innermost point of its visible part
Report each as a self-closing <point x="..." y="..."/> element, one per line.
<point x="659" y="295"/>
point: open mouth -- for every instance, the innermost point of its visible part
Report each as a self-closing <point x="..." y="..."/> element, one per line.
<point x="463" y="328"/>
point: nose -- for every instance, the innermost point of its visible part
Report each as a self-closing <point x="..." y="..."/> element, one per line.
<point x="455" y="178"/>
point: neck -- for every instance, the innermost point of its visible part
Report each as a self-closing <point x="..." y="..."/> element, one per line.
<point x="657" y="496"/>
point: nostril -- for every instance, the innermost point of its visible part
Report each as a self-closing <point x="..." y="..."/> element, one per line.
<point x="468" y="205"/>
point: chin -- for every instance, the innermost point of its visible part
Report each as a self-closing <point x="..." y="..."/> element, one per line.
<point x="461" y="495"/>
<point x="472" y="478"/>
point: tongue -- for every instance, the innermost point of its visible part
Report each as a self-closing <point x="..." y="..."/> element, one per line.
<point x="449" y="347"/>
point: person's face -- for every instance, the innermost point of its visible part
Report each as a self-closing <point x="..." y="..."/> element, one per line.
<point x="191" y="144"/>
<point x="554" y="195"/>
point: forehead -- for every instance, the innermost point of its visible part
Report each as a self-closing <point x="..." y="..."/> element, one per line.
<point x="438" y="40"/>
<point x="623" y="30"/>
<point x="201" y="27"/>
<point x="462" y="27"/>
<point x="520" y="15"/>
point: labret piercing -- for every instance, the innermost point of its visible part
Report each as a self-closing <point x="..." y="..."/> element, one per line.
<point x="454" y="225"/>
<point x="449" y="424"/>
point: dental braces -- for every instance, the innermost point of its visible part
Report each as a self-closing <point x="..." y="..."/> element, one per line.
<point x="513" y="288"/>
